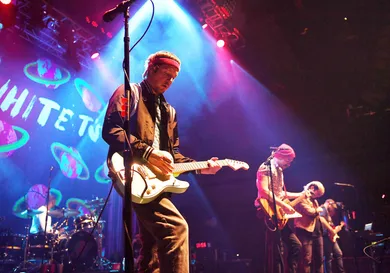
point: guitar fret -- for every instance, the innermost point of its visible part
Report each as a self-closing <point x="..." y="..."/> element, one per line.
<point x="191" y="166"/>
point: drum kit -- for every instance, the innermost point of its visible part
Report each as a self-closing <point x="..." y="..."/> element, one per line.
<point x="75" y="243"/>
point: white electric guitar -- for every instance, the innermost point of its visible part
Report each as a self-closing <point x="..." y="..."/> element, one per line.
<point x="149" y="182"/>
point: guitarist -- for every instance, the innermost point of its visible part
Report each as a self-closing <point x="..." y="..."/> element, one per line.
<point x="332" y="249"/>
<point x="309" y="228"/>
<point x="154" y="128"/>
<point x="281" y="159"/>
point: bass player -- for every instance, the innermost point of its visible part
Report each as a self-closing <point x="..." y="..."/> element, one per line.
<point x="281" y="159"/>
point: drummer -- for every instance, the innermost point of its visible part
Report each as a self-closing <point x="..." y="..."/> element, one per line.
<point x="39" y="220"/>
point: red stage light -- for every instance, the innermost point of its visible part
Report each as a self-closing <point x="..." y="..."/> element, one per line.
<point x="220" y="43"/>
<point x="7" y="14"/>
<point x="5" y="2"/>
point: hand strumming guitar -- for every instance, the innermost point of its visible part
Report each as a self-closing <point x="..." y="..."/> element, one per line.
<point x="287" y="208"/>
<point x="158" y="159"/>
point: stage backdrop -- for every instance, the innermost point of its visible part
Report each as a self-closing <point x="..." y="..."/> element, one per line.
<point x="50" y="130"/>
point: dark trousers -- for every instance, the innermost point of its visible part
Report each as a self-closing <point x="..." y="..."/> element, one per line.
<point x="332" y="252"/>
<point x="163" y="234"/>
<point x="294" y="250"/>
<point x="312" y="251"/>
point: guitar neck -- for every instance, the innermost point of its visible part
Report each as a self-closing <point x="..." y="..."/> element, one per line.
<point x="297" y="200"/>
<point x="192" y="166"/>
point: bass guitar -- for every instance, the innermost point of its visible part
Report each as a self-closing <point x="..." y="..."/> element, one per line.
<point x="268" y="208"/>
<point x="149" y="182"/>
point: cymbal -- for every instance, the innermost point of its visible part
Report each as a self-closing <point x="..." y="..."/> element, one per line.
<point x="28" y="213"/>
<point x="59" y="213"/>
<point x="71" y="213"/>
<point x="95" y="202"/>
<point x="79" y="205"/>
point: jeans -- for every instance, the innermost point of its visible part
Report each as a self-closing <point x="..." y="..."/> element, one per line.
<point x="163" y="234"/>
<point x="312" y="250"/>
<point x="294" y="247"/>
<point x="332" y="252"/>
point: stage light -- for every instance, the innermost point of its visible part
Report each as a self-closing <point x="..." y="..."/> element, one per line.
<point x="52" y="24"/>
<point x="204" y="26"/>
<point x="7" y="14"/>
<point x="220" y="43"/>
<point x="95" y="55"/>
<point x="5" y="2"/>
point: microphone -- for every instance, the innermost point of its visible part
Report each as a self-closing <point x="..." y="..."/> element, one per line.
<point x="110" y="15"/>
<point x="344" y="185"/>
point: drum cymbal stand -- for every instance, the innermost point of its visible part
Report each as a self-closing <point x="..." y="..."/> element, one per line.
<point x="23" y="267"/>
<point x="49" y="267"/>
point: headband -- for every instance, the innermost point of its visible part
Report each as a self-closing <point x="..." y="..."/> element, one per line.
<point x="163" y="60"/>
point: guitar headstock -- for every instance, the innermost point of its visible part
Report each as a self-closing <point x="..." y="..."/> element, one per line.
<point x="236" y="165"/>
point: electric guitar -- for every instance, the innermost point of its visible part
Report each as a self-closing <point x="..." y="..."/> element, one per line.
<point x="268" y="208"/>
<point x="149" y="182"/>
<point x="333" y="237"/>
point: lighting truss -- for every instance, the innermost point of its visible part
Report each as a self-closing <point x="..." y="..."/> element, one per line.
<point x="217" y="15"/>
<point x="48" y="37"/>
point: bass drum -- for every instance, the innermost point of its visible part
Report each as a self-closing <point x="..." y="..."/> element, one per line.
<point x="78" y="252"/>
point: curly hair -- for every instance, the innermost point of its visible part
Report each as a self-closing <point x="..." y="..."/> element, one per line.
<point x="151" y="60"/>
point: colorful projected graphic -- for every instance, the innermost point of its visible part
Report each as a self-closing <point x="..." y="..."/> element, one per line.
<point x="9" y="141"/>
<point x="78" y="204"/>
<point x="46" y="72"/>
<point x="101" y="174"/>
<point x="70" y="161"/>
<point x="20" y="207"/>
<point x="91" y="99"/>
<point x="35" y="198"/>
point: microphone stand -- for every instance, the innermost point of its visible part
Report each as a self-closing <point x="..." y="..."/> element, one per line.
<point x="278" y="239"/>
<point x="128" y="154"/>
<point x="47" y="210"/>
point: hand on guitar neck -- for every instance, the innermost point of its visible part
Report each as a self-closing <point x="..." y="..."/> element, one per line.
<point x="333" y="234"/>
<point x="165" y="164"/>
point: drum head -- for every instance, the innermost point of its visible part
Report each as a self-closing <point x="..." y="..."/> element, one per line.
<point x="82" y="249"/>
